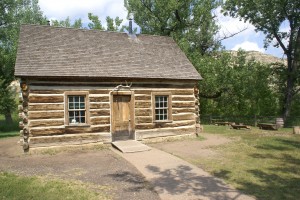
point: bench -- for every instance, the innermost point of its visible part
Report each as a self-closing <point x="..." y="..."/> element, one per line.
<point x="239" y="126"/>
<point x="267" y="126"/>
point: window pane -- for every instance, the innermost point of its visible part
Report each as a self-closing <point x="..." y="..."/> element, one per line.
<point x="76" y="98"/>
<point x="71" y="99"/>
<point x="165" y="104"/>
<point x="82" y="106"/>
<point x="76" y="105"/>
<point x="156" y="117"/>
<point x="71" y="105"/>
<point x="81" y="98"/>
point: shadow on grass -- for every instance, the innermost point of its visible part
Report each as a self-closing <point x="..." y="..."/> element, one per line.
<point x="182" y="180"/>
<point x="280" y="144"/>
<point x="280" y="181"/>
<point x="272" y="186"/>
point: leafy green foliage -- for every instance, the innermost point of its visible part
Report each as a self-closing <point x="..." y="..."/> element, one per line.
<point x="190" y="22"/>
<point x="236" y="86"/>
<point x="96" y="23"/>
<point x="12" y="14"/>
<point x="268" y="17"/>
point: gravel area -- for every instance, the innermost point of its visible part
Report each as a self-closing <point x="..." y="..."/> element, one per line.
<point x="95" y="167"/>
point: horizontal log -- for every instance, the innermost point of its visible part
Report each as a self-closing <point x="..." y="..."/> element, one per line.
<point x="183" y="104"/>
<point x="47" y="91"/>
<point x="45" y="107"/>
<point x="70" y="139"/>
<point x="100" y="120"/>
<point x="99" y="99"/>
<point x="164" y="133"/>
<point x="99" y="105"/>
<point x="40" y="123"/>
<point x="47" y="131"/>
<point x="173" y="91"/>
<point x="143" y="112"/>
<point x="103" y="91"/>
<point x="46" y="99"/>
<point x="183" y="98"/>
<point x="144" y="97"/>
<point x="92" y="129"/>
<point x="104" y="112"/>
<point x="164" y="125"/>
<point x="142" y="104"/>
<point x="46" y="115"/>
<point x="139" y="120"/>
<point x="182" y="110"/>
<point x="188" y="116"/>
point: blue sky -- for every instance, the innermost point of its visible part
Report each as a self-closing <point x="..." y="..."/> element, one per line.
<point x="248" y="40"/>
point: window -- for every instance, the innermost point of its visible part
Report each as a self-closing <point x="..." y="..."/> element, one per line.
<point x="162" y="107"/>
<point x="76" y="108"/>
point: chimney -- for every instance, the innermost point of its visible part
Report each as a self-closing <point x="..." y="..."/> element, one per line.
<point x="130" y="26"/>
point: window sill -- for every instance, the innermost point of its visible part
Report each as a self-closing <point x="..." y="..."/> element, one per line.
<point x="77" y="125"/>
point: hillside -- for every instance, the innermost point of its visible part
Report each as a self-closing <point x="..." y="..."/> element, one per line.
<point x="262" y="57"/>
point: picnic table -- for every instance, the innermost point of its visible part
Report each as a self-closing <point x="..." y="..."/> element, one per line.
<point x="223" y="123"/>
<point x="268" y="126"/>
<point x="240" y="126"/>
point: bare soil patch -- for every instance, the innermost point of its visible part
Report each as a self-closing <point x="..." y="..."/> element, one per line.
<point x="193" y="149"/>
<point x="95" y="167"/>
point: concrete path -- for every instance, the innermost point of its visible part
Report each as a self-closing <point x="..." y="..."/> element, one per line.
<point x="130" y="146"/>
<point x="174" y="178"/>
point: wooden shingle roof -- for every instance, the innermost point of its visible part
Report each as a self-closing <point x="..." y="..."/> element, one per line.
<point x="46" y="51"/>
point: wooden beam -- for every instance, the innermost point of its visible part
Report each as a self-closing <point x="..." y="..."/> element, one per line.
<point x="46" y="99"/>
<point x="40" y="123"/>
<point x="143" y="104"/>
<point x="99" y="105"/>
<point x="100" y="120"/>
<point x="45" y="114"/>
<point x="103" y="112"/>
<point x="99" y="99"/>
<point x="143" y="111"/>
<point x="45" y="107"/>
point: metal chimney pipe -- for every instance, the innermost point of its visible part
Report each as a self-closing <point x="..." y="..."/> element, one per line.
<point x="130" y="26"/>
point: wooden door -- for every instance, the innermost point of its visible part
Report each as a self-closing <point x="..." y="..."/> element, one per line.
<point x="121" y="118"/>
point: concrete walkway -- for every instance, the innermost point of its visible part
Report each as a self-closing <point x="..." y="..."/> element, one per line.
<point x="174" y="178"/>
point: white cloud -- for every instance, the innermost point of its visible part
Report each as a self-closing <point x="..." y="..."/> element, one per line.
<point x="248" y="46"/>
<point x="61" y="9"/>
<point x="231" y="25"/>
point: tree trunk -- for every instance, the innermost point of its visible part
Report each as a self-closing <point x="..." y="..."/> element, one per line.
<point x="293" y="65"/>
<point x="8" y="118"/>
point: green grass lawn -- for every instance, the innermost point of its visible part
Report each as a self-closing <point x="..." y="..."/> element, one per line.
<point x="262" y="163"/>
<point x="18" y="187"/>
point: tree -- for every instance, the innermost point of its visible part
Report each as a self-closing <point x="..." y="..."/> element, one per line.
<point x="236" y="85"/>
<point x="67" y="23"/>
<point x="12" y="14"/>
<point x="268" y="17"/>
<point x="191" y="22"/>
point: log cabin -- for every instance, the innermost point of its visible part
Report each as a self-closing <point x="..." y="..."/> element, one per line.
<point x="82" y="86"/>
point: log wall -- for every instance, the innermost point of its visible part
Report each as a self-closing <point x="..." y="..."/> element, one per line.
<point x="43" y="110"/>
<point x="183" y="112"/>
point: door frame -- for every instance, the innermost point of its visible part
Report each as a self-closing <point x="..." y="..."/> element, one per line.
<point x="131" y="110"/>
